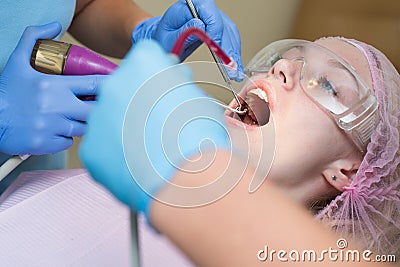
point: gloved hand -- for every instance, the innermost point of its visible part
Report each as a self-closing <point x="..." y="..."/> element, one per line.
<point x="143" y="108"/>
<point x="40" y="113"/>
<point x="178" y="17"/>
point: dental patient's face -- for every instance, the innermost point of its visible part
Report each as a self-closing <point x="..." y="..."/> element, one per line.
<point x="302" y="137"/>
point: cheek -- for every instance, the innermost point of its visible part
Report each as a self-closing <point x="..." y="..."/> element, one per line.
<point x="297" y="118"/>
<point x="305" y="129"/>
<point x="304" y="136"/>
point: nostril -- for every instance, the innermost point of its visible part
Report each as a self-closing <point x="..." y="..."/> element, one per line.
<point x="283" y="76"/>
<point x="278" y="73"/>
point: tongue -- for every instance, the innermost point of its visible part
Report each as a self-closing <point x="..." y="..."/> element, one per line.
<point x="258" y="109"/>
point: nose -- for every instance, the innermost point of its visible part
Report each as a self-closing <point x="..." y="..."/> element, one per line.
<point x="287" y="72"/>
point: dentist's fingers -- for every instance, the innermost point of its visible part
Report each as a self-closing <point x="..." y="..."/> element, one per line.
<point x="72" y="128"/>
<point x="31" y="35"/>
<point x="87" y="85"/>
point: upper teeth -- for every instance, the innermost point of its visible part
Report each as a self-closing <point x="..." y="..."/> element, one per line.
<point x="260" y="93"/>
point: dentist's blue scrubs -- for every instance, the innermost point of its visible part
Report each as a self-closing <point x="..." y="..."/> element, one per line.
<point x="15" y="16"/>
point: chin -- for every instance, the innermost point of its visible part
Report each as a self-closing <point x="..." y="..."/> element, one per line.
<point x="256" y="146"/>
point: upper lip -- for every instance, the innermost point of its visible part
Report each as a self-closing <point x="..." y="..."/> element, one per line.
<point x="261" y="84"/>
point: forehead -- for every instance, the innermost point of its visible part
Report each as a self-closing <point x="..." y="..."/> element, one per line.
<point x="351" y="54"/>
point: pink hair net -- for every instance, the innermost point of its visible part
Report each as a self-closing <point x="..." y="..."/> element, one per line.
<point x="368" y="211"/>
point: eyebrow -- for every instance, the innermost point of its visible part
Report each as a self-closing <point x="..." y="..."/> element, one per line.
<point x="333" y="63"/>
<point x="338" y="65"/>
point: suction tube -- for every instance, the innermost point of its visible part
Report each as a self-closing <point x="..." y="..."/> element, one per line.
<point x="214" y="48"/>
<point x="55" y="57"/>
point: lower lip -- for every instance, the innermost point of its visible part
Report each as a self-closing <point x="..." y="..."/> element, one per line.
<point x="236" y="123"/>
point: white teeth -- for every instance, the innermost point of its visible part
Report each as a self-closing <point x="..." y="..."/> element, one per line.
<point x="260" y="93"/>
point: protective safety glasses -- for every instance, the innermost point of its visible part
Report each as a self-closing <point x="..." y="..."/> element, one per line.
<point x="329" y="81"/>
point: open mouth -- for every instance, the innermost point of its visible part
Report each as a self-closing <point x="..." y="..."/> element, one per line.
<point x="258" y="111"/>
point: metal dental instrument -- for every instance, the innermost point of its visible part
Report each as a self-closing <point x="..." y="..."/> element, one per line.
<point x="225" y="106"/>
<point x="224" y="74"/>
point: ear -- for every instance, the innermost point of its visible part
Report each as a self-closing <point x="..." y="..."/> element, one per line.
<point x="340" y="173"/>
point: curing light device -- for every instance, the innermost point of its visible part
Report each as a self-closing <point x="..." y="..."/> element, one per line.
<point x="56" y="57"/>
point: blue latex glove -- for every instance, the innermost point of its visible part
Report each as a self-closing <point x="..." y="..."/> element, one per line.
<point x="131" y="129"/>
<point x="40" y="113"/>
<point x="178" y="17"/>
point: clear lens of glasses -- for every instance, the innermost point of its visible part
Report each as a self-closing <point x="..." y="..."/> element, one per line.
<point x="328" y="80"/>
